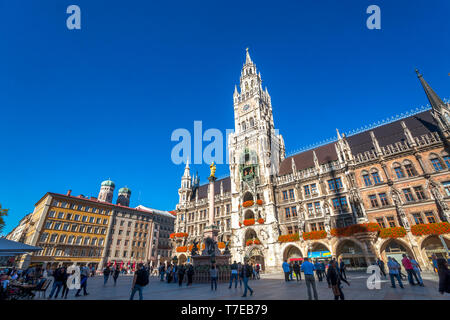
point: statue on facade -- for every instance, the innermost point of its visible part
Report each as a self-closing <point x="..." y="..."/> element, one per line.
<point x="194" y="251"/>
<point x="212" y="167"/>
<point x="227" y="249"/>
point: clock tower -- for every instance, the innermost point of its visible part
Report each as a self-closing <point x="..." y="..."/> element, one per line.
<point x="255" y="152"/>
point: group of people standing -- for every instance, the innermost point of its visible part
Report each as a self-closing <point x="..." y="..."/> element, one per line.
<point x="175" y="273"/>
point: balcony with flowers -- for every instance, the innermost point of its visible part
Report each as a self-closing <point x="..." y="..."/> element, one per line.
<point x="392" y="233"/>
<point x="314" y="235"/>
<point x="430" y="229"/>
<point x="292" y="237"/>
<point x="252" y="242"/>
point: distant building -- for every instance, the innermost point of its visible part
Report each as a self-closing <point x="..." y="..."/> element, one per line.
<point x="90" y="231"/>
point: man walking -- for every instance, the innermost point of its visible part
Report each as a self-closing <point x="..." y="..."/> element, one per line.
<point x="116" y="273"/>
<point x="59" y="275"/>
<point x="181" y="271"/>
<point x="380" y="264"/>
<point x="394" y="272"/>
<point x="410" y="270"/>
<point x="297" y="272"/>
<point x="318" y="270"/>
<point x="140" y="280"/>
<point x="246" y="274"/>
<point x="342" y="269"/>
<point x="234" y="275"/>
<point x="286" y="270"/>
<point x="106" y="273"/>
<point x="417" y="270"/>
<point x="190" y="274"/>
<point x="308" y="269"/>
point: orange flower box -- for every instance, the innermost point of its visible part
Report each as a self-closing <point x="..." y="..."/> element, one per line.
<point x="314" y="235"/>
<point x="250" y="242"/>
<point x="259" y="202"/>
<point x="248" y="203"/>
<point x="179" y="235"/>
<point x="430" y="228"/>
<point x="260" y="220"/>
<point x="256" y="241"/>
<point x="395" y="232"/>
<point x="221" y="245"/>
<point x="249" y="222"/>
<point x="356" y="228"/>
<point x="182" y="249"/>
<point x="198" y="247"/>
<point x="289" y="237"/>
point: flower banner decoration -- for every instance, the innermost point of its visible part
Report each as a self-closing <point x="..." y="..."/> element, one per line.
<point x="395" y="232"/>
<point x="289" y="237"/>
<point x="248" y="203"/>
<point x="314" y="235"/>
<point x="430" y="228"/>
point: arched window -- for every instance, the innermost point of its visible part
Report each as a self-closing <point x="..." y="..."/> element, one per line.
<point x="62" y="238"/>
<point x="375" y="176"/>
<point x="409" y="168"/>
<point x="436" y="162"/>
<point x="79" y="240"/>
<point x="86" y="240"/>
<point x="446" y="158"/>
<point x="366" y="178"/>
<point x="100" y="241"/>
<point x="252" y="122"/>
<point x="243" y="126"/>
<point x="53" y="237"/>
<point x="94" y="241"/>
<point x="398" y="170"/>
<point x="70" y="239"/>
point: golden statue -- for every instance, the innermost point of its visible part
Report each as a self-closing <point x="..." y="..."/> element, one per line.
<point x="212" y="167"/>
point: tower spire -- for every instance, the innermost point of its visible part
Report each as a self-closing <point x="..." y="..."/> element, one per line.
<point x="248" y="60"/>
<point x="436" y="102"/>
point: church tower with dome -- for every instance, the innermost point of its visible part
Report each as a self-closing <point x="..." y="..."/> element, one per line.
<point x="106" y="191"/>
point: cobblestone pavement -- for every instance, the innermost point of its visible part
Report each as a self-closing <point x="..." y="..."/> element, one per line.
<point x="269" y="287"/>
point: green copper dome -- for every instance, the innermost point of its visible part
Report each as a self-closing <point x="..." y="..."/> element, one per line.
<point x="108" y="183"/>
<point x="124" y="190"/>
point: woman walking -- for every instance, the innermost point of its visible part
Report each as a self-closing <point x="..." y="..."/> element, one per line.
<point x="116" y="273"/>
<point x="334" y="278"/>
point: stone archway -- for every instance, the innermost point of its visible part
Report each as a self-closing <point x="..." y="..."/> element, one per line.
<point x="248" y="196"/>
<point x="292" y="252"/>
<point x="433" y="245"/>
<point x="395" y="248"/>
<point x="256" y="256"/>
<point x="319" y="251"/>
<point x="351" y="253"/>
<point x="250" y="234"/>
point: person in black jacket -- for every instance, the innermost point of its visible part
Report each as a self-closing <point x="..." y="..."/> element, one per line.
<point x="334" y="278"/>
<point x="297" y="272"/>
<point x="190" y="274"/>
<point x="181" y="271"/>
<point x="444" y="276"/>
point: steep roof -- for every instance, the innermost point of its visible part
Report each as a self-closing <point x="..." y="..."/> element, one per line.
<point x="203" y="189"/>
<point x="390" y="133"/>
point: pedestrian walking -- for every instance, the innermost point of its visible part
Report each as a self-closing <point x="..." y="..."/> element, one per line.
<point x="213" y="274"/>
<point x="444" y="276"/>
<point x="334" y="278"/>
<point x="106" y="273"/>
<point x="190" y="274"/>
<point x="318" y="270"/>
<point x="417" y="270"/>
<point x="257" y="270"/>
<point x="286" y="270"/>
<point x="240" y="274"/>
<point x="434" y="262"/>
<point x="116" y="273"/>
<point x="394" y="272"/>
<point x="234" y="275"/>
<point x="297" y="272"/>
<point x="175" y="273"/>
<point x="410" y="270"/>
<point x="181" y="272"/>
<point x="380" y="264"/>
<point x="162" y="270"/>
<point x="140" y="280"/>
<point x="342" y="269"/>
<point x="291" y="271"/>
<point x="58" y="279"/>
<point x="246" y="274"/>
<point x="308" y="269"/>
<point x="84" y="274"/>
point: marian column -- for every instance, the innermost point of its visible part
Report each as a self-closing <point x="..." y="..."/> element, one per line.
<point x="211" y="230"/>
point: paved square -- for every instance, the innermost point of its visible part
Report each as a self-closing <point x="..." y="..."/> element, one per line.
<point x="269" y="287"/>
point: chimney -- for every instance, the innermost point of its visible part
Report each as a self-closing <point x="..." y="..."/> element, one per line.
<point x="69" y="192"/>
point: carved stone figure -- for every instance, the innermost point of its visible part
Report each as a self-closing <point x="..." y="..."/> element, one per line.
<point x="194" y="251"/>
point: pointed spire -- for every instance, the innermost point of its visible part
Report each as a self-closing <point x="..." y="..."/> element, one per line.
<point x="338" y="134"/>
<point x="248" y="60"/>
<point x="436" y="103"/>
<point x="294" y="167"/>
<point x="316" y="161"/>
<point x="236" y="93"/>
<point x="375" y="143"/>
<point x="408" y="134"/>
<point x="186" y="169"/>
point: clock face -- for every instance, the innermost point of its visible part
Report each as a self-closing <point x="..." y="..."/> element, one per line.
<point x="246" y="107"/>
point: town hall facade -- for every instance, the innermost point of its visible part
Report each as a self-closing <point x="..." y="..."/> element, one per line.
<point x="378" y="193"/>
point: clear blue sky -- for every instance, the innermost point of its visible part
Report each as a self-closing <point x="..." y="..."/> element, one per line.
<point x="78" y="107"/>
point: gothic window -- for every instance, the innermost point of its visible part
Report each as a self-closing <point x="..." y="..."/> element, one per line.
<point x="291" y="194"/>
<point x="446" y="186"/>
<point x="317" y="207"/>
<point x="410" y="171"/>
<point x="399" y="171"/>
<point x="408" y="195"/>
<point x="335" y="184"/>
<point x="373" y="201"/>
<point x="383" y="199"/>
<point x="321" y="226"/>
<point x="287" y="212"/>
<point x="447" y="161"/>
<point x="417" y="218"/>
<point x="252" y="122"/>
<point x="420" y="194"/>
<point x="391" y="221"/>
<point x="307" y="190"/>
<point x="366" y="178"/>
<point x="381" y="223"/>
<point x="376" y="177"/>
<point x="430" y="217"/>
<point x="309" y="206"/>
<point x="285" y="195"/>
<point x="436" y="162"/>
<point x="294" y="211"/>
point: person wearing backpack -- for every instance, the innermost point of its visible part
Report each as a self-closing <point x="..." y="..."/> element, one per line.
<point x="247" y="272"/>
<point x="140" y="280"/>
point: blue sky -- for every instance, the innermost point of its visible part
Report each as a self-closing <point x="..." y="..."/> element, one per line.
<point x="78" y="107"/>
